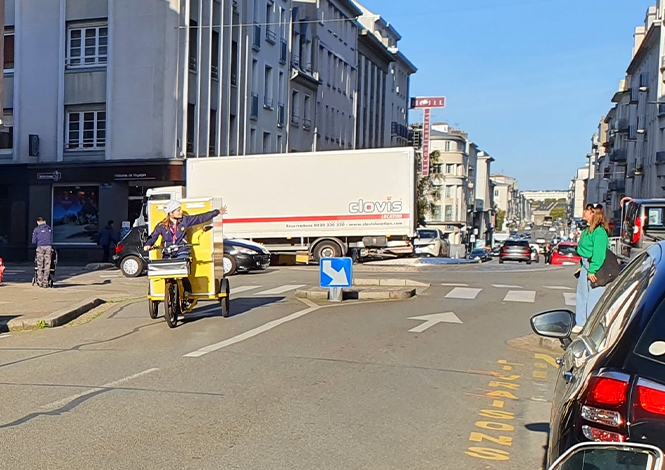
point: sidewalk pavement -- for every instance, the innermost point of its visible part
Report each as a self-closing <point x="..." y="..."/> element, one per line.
<point x="25" y="307"/>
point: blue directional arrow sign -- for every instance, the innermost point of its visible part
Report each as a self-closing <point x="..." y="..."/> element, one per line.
<point x="336" y="272"/>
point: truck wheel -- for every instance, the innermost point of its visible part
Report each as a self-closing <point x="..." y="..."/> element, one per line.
<point x="326" y="250"/>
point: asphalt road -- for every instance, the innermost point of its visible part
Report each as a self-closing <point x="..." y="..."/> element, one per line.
<point x="287" y="384"/>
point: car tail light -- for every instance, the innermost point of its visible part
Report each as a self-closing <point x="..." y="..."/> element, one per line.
<point x="0" y="261"/>
<point x="607" y="391"/>
<point x="637" y="230"/>
<point x="650" y="401"/>
<point x="118" y="249"/>
<point x="605" y="403"/>
<point x="595" y="434"/>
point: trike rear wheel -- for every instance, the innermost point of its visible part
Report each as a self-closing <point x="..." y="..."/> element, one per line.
<point x="172" y="304"/>
<point x="153" y="308"/>
<point x="225" y="302"/>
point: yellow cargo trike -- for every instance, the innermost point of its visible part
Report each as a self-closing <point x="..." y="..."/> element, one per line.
<point x="182" y="273"/>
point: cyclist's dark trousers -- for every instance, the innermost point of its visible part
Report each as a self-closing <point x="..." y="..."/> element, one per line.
<point x="186" y="285"/>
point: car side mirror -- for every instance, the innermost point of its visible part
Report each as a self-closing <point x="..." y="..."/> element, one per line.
<point x="553" y="324"/>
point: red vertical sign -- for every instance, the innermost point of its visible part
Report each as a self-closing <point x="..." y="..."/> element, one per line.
<point x="426" y="126"/>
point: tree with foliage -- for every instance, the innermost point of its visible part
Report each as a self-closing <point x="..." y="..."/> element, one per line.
<point x="500" y="219"/>
<point x="427" y="193"/>
<point x="558" y="213"/>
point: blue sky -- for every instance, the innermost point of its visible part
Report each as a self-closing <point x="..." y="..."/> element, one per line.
<point x="528" y="80"/>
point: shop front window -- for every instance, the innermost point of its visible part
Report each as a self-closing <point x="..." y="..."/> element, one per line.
<point x="75" y="214"/>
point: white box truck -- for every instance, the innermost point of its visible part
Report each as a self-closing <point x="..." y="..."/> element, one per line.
<point x="325" y="203"/>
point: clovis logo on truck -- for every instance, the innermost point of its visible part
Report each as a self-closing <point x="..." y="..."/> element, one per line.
<point x="375" y="207"/>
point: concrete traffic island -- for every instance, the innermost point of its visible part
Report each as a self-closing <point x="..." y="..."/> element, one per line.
<point x="369" y="289"/>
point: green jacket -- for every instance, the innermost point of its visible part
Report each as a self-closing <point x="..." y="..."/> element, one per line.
<point x="593" y="246"/>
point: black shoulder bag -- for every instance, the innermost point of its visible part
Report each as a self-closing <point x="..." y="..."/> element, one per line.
<point x="608" y="271"/>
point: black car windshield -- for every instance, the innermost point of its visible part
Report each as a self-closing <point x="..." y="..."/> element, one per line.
<point x="516" y="243"/>
<point x="428" y="234"/>
<point x="567" y="250"/>
<point x="478" y="251"/>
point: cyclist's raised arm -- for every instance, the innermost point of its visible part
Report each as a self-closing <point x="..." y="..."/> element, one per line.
<point x="191" y="220"/>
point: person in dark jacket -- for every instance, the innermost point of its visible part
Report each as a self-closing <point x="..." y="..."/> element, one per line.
<point x="173" y="230"/>
<point x="42" y="237"/>
<point x="107" y="237"/>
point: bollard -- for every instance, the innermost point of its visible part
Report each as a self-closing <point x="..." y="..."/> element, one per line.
<point x="335" y="294"/>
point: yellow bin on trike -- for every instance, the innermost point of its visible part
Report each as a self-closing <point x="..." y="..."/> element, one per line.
<point x="166" y="275"/>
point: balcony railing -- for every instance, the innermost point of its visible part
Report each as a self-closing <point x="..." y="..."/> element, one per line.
<point x="661" y="109"/>
<point x="307" y="124"/>
<point x="281" y="114"/>
<point x="619" y="156"/>
<point x="622" y="125"/>
<point x="271" y="36"/>
<point x="295" y="119"/>
<point x="283" y="49"/>
<point x="267" y="102"/>
<point x="256" y="39"/>
<point x="254" y="106"/>
<point x="660" y="158"/>
<point x="214" y="72"/>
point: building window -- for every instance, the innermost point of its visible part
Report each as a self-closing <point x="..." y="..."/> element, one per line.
<point x="450" y="168"/>
<point x="252" y="141"/>
<point x="87" y="45"/>
<point x="9" y="52"/>
<point x="214" y="56"/>
<point x="213" y="131"/>
<point x="295" y="108"/>
<point x="449" y="214"/>
<point x="266" y="142"/>
<point x="268" y="88"/>
<point x="436" y="213"/>
<point x="447" y="146"/>
<point x="436" y="168"/>
<point x="191" y="117"/>
<point x="449" y="192"/>
<point x="271" y="35"/>
<point x="307" y="113"/>
<point x="7" y="134"/>
<point x="460" y="146"/>
<point x="86" y="130"/>
<point x="234" y="63"/>
<point x="496" y="193"/>
<point x="193" y="44"/>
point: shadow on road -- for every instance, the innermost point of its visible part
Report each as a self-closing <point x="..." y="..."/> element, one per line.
<point x="238" y="307"/>
<point x="544" y="428"/>
<point x="4" y="320"/>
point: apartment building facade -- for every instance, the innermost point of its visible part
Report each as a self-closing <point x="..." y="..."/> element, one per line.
<point x="106" y="99"/>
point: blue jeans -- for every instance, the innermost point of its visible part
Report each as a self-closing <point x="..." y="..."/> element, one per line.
<point x="587" y="298"/>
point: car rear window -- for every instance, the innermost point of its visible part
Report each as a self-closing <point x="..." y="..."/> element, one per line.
<point x="516" y="243"/>
<point x="428" y="234"/>
<point x="567" y="250"/>
<point x="655" y="218"/>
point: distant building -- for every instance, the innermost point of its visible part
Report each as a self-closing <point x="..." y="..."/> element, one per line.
<point x="544" y="195"/>
<point x="577" y="193"/>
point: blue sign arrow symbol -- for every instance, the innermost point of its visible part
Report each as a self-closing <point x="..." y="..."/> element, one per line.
<point x="339" y="278"/>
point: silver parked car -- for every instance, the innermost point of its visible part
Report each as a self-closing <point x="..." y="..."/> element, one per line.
<point x="431" y="242"/>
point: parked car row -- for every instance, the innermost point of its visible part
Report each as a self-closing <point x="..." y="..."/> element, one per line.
<point x="239" y="255"/>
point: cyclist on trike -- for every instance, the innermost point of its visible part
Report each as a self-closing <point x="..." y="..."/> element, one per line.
<point x="186" y="271"/>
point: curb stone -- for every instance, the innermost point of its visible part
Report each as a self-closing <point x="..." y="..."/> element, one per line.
<point x="57" y="318"/>
<point x="394" y="293"/>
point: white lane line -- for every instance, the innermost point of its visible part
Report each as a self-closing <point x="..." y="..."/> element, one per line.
<point x="281" y="289"/>
<point x="454" y="284"/>
<point x="463" y="293"/>
<point x="256" y="331"/>
<point x="506" y="286"/>
<point x="15" y="271"/>
<point x="239" y="289"/>
<point x="5" y="335"/>
<point x="558" y="287"/>
<point x="571" y="298"/>
<point x="109" y="275"/>
<point x="520" y="296"/>
<point x="65" y="401"/>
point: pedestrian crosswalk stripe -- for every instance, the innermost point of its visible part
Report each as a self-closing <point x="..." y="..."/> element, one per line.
<point x="463" y="293"/>
<point x="239" y="289"/>
<point x="571" y="298"/>
<point x="281" y="289"/>
<point x="558" y="287"/>
<point x="454" y="284"/>
<point x="504" y="286"/>
<point x="520" y="296"/>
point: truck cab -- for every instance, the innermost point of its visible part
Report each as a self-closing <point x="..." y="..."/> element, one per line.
<point x="643" y="225"/>
<point x="158" y="194"/>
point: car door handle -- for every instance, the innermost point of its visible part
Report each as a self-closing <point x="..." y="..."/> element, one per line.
<point x="568" y="377"/>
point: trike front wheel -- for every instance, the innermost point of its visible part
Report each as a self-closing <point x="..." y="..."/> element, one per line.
<point x="172" y="304"/>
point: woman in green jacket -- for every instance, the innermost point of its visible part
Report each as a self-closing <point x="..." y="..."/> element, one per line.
<point x="592" y="247"/>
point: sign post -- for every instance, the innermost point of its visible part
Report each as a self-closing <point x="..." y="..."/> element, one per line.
<point x="426" y="104"/>
<point x="335" y="274"/>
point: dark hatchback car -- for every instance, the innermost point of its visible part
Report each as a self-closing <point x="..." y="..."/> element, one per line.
<point x="239" y="255"/>
<point x="515" y="250"/>
<point x="611" y="382"/>
<point x="480" y="254"/>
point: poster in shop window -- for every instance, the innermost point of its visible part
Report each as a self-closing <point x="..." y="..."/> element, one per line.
<point x="75" y="214"/>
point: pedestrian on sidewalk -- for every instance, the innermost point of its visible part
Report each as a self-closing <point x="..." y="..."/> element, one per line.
<point x="42" y="237"/>
<point x="592" y="247"/>
<point x="107" y="237"/>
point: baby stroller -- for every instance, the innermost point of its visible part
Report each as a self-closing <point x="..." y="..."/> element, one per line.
<point x="51" y="271"/>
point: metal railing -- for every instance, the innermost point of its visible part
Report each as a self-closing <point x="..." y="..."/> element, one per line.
<point x="271" y="36"/>
<point x="283" y="50"/>
<point x="267" y="102"/>
<point x="295" y="119"/>
<point x="256" y="39"/>
<point x="281" y="114"/>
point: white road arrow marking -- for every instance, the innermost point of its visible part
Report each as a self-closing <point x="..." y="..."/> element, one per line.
<point x="338" y="277"/>
<point x="431" y="320"/>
